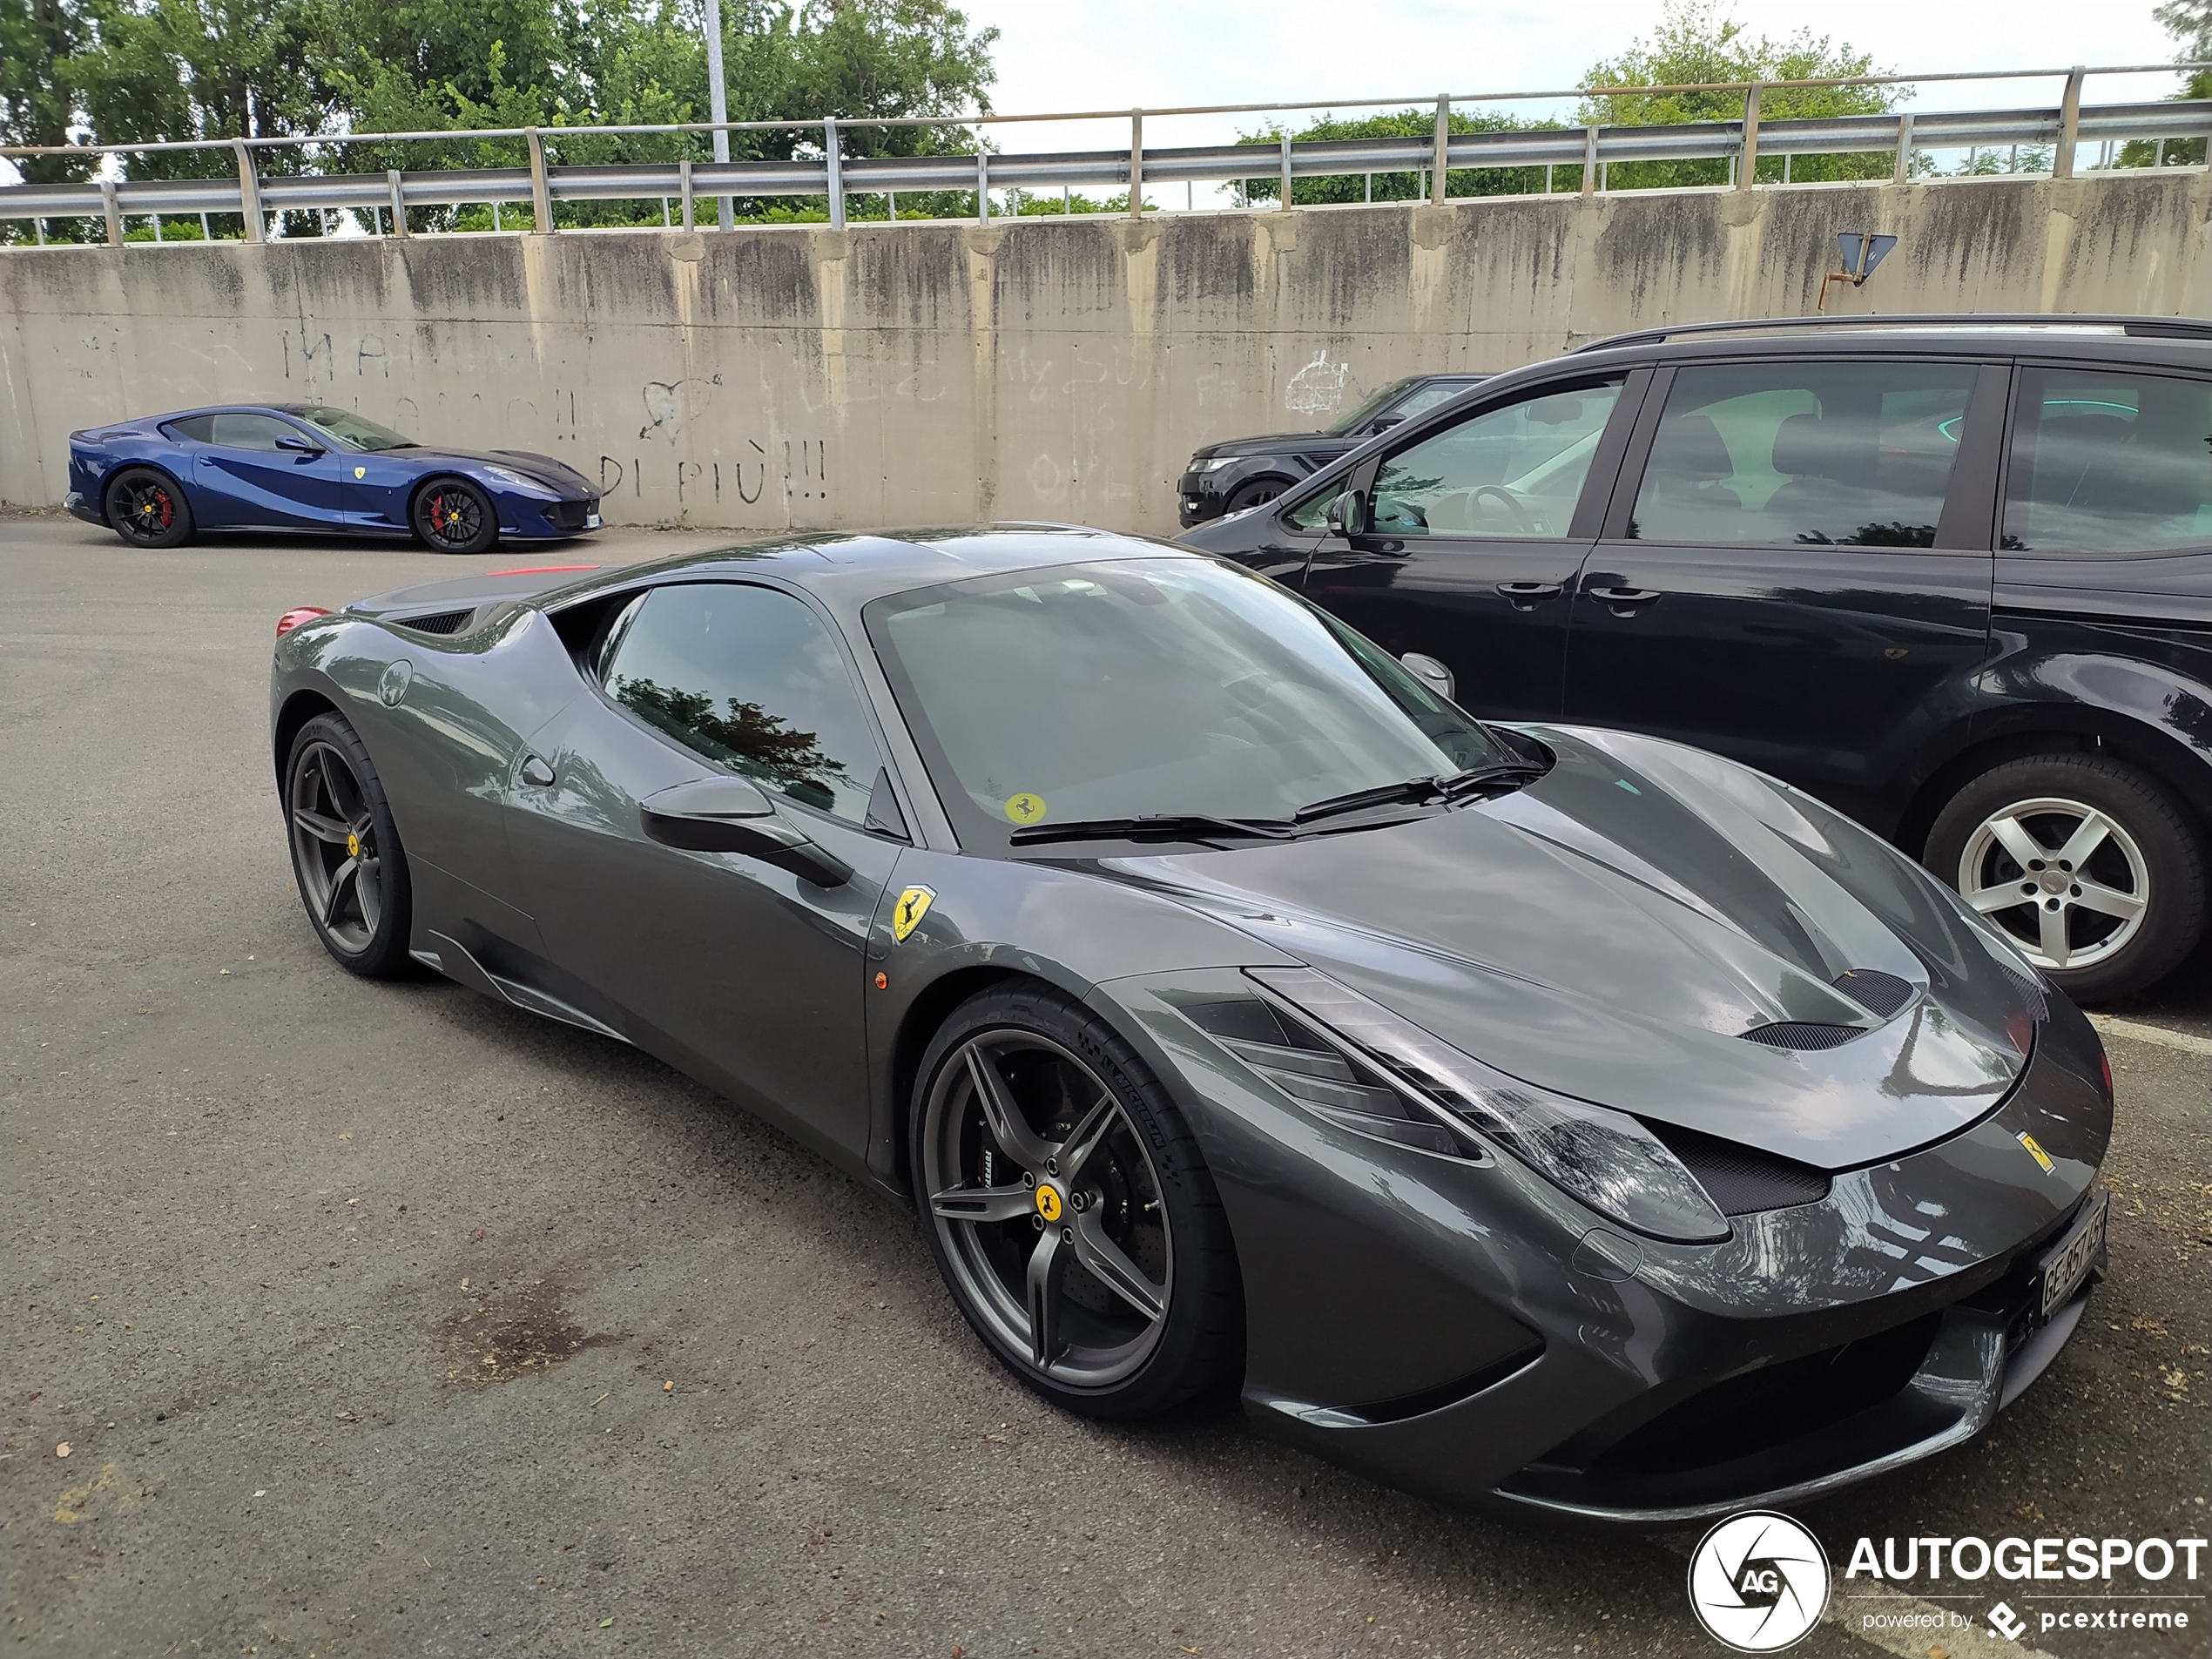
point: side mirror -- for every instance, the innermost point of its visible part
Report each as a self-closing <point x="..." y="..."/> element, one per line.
<point x="1348" y="514"/>
<point x="297" y="444"/>
<point x="1384" y="422"/>
<point x="1429" y="672"/>
<point x="733" y="815"/>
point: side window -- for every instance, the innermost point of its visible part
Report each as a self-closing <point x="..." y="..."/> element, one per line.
<point x="1515" y="471"/>
<point x="248" y="431"/>
<point x="2110" y="463"/>
<point x="196" y="428"/>
<point x="1842" y="454"/>
<point x="751" y="678"/>
<point x="1424" y="398"/>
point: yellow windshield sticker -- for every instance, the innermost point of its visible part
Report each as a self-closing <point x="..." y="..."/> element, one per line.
<point x="2035" y="1152"/>
<point x="906" y="914"/>
<point x="1025" y="808"/>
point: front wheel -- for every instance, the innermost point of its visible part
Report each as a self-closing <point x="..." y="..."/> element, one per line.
<point x="346" y="860"/>
<point x="146" y="509"/>
<point x="2090" y="867"/>
<point x="452" y="515"/>
<point x="1258" y="493"/>
<point x="1069" y="1209"/>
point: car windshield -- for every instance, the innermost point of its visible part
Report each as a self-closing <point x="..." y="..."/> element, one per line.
<point x="1152" y="686"/>
<point x="351" y="431"/>
<point x="1374" y="406"/>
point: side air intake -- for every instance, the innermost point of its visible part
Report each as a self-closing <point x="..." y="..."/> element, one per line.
<point x="439" y="622"/>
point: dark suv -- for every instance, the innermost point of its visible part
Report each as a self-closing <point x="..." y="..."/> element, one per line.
<point x="1230" y="476"/>
<point x="1951" y="575"/>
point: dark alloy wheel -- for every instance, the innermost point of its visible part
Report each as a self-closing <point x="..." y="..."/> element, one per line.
<point x="1259" y="491"/>
<point x="452" y="515"/>
<point x="2084" y="862"/>
<point x="346" y="855"/>
<point x="147" y="509"/>
<point x="1069" y="1210"/>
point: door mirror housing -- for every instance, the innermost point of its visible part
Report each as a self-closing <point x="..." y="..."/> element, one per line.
<point x="734" y="815"/>
<point x="297" y="444"/>
<point x="1384" y="422"/>
<point x="1348" y="514"/>
<point x="1429" y="672"/>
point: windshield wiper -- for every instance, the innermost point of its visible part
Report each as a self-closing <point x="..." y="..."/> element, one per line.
<point x="1177" y="826"/>
<point x="1442" y="786"/>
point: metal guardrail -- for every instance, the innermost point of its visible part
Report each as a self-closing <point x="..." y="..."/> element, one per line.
<point x="1590" y="150"/>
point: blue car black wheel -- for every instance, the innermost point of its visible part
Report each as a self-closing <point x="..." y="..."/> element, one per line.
<point x="147" y="509"/>
<point x="452" y="515"/>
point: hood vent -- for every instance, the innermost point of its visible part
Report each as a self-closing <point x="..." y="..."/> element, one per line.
<point x="1803" y="1034"/>
<point x="2039" y="1004"/>
<point x="1741" y="1180"/>
<point x="441" y="622"/>
<point x="1879" y="993"/>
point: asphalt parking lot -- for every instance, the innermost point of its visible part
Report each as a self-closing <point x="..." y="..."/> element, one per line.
<point x="379" y="1319"/>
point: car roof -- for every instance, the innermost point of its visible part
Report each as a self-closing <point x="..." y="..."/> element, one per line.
<point x="2110" y="342"/>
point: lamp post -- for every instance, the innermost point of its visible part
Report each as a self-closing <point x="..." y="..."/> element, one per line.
<point x="717" y="101"/>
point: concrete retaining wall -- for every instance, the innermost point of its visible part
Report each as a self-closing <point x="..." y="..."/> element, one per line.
<point x="1037" y="368"/>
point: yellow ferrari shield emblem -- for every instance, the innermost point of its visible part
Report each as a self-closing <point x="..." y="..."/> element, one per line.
<point x="1048" y="1203"/>
<point x="906" y="914"/>
<point x="361" y="472"/>
<point x="2035" y="1152"/>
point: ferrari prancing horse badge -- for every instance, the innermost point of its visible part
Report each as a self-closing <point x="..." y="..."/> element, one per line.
<point x="906" y="914"/>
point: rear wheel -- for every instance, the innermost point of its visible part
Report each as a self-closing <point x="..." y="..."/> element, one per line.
<point x="146" y="509"/>
<point x="1069" y="1210"/>
<point x="452" y="515"/>
<point x="346" y="854"/>
<point x="2091" y="868"/>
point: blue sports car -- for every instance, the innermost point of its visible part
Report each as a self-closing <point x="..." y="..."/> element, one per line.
<point x="300" y="466"/>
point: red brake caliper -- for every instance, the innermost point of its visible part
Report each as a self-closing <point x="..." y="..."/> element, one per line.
<point x="166" y="510"/>
<point x="438" y="514"/>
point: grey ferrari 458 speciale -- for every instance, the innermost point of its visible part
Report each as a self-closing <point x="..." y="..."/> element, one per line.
<point x="1533" y="1116"/>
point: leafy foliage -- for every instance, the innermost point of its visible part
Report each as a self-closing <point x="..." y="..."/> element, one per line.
<point x="747" y="740"/>
<point x="1403" y="186"/>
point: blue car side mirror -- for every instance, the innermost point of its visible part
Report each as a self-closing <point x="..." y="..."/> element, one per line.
<point x="298" y="445"/>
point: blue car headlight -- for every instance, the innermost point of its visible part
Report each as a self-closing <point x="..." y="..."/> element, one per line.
<point x="522" y="483"/>
<point x="1604" y="1158"/>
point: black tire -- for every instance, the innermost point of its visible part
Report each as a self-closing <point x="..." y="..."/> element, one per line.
<point x="346" y="860"/>
<point x="1253" y="492"/>
<point x="146" y="508"/>
<point x="452" y="515"/>
<point x="2131" y="842"/>
<point x="1139" y="1145"/>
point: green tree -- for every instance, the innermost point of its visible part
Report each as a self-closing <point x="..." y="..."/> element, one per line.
<point x="1400" y="186"/>
<point x="2190" y="23"/>
<point x="1694" y="45"/>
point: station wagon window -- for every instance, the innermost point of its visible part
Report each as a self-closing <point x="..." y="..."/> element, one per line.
<point x="1822" y="455"/>
<point x="751" y="678"/>
<point x="2109" y="463"/>
<point x="248" y="431"/>
<point x="1514" y="471"/>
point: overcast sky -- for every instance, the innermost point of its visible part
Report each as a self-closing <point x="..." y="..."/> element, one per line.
<point x="1113" y="54"/>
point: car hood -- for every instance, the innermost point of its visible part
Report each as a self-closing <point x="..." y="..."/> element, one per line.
<point x="1316" y="444"/>
<point x="554" y="474"/>
<point x="1613" y="930"/>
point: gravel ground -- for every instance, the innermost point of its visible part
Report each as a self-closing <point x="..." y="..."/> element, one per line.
<point x="383" y="1320"/>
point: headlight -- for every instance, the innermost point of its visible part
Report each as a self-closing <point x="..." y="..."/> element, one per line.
<point x="523" y="481"/>
<point x="1216" y="464"/>
<point x="1605" y="1159"/>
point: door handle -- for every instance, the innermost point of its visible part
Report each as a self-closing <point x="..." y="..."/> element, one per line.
<point x="1623" y="596"/>
<point x="1525" y="594"/>
<point x="536" y="772"/>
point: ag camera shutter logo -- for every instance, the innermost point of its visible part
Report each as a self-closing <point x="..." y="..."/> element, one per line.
<point x="1758" y="1582"/>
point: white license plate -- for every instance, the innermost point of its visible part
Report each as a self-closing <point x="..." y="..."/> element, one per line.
<point x="2071" y="1261"/>
<point x="592" y="521"/>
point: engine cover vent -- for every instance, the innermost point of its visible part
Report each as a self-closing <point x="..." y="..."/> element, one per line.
<point x="1883" y="993"/>
<point x="1803" y="1034"/>
<point x="442" y="622"/>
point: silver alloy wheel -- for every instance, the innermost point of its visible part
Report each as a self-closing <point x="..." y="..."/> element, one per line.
<point x="333" y="847"/>
<point x="1049" y="1208"/>
<point x="2064" y="878"/>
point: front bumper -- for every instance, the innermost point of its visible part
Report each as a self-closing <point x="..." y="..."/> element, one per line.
<point x="530" y="518"/>
<point x="1197" y="497"/>
<point x="1466" y="1331"/>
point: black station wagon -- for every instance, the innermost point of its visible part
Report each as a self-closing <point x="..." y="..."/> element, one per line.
<point x="1952" y="575"/>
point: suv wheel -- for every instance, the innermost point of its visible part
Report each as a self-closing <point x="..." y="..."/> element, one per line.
<point x="2087" y="864"/>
